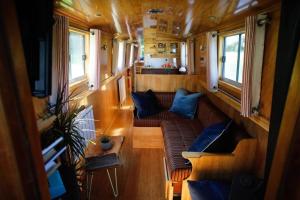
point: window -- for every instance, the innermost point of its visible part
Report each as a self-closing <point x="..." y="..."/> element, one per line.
<point x="121" y="55"/>
<point x="233" y="58"/>
<point x="77" y="56"/>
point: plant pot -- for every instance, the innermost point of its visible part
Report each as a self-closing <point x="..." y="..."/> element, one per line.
<point x="106" y="145"/>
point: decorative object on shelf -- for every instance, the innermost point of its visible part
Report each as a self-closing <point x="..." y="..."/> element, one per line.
<point x="182" y="70"/>
<point x="106" y="143"/>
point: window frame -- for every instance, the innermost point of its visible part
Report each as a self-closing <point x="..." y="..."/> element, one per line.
<point x="222" y="43"/>
<point x="83" y="78"/>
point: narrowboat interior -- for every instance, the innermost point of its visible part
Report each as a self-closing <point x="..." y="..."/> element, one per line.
<point x="149" y="99"/>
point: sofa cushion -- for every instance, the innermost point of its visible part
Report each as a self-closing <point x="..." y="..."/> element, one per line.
<point x="178" y="136"/>
<point x="145" y="103"/>
<point x="156" y="119"/>
<point x="209" y="190"/>
<point x="185" y="104"/>
<point x="208" y="136"/>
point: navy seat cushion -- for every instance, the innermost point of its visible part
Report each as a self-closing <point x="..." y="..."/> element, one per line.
<point x="185" y="104"/>
<point x="209" y="190"/>
<point x="208" y="136"/>
<point x="146" y="103"/>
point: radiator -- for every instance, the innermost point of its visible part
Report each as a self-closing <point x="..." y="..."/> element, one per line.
<point x="86" y="124"/>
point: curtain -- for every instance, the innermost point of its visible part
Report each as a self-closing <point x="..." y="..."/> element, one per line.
<point x="95" y="62"/>
<point x="212" y="61"/>
<point x="60" y="58"/>
<point x="253" y="61"/>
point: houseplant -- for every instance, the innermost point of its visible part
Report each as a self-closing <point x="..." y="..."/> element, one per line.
<point x="65" y="126"/>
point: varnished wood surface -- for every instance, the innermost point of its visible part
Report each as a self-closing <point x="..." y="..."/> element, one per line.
<point x="94" y="149"/>
<point x="270" y="49"/>
<point x="22" y="170"/>
<point x="141" y="175"/>
<point x="214" y="166"/>
<point x="286" y="133"/>
<point x="167" y="83"/>
<point x="191" y="15"/>
<point x="106" y="56"/>
<point x="147" y="137"/>
<point x="269" y="64"/>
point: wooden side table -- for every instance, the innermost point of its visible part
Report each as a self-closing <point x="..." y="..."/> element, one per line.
<point x="96" y="158"/>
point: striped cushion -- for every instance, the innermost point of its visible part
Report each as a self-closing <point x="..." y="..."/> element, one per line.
<point x="178" y="136"/>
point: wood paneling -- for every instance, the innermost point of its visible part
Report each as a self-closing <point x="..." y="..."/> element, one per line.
<point x="141" y="175"/>
<point x="167" y="83"/>
<point x="255" y="130"/>
<point x="124" y="17"/>
<point x="201" y="56"/>
<point x="269" y="64"/>
<point x="214" y="166"/>
<point x="22" y="170"/>
<point x="286" y="135"/>
<point x="106" y="56"/>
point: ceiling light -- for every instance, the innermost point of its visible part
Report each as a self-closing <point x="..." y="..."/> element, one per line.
<point x="155" y="11"/>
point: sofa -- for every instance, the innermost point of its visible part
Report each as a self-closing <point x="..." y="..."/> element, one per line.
<point x="179" y="134"/>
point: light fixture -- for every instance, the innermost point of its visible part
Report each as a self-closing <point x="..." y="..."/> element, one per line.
<point x="155" y="11"/>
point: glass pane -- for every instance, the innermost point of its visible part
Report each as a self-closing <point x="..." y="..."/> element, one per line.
<point x="76" y="48"/>
<point x="231" y="54"/>
<point x="240" y="78"/>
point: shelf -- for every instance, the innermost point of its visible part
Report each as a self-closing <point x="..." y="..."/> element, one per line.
<point x="164" y="56"/>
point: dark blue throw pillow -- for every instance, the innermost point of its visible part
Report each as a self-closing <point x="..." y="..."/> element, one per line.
<point x="208" y="136"/>
<point x="145" y="103"/>
<point x="185" y="104"/>
<point x="209" y="190"/>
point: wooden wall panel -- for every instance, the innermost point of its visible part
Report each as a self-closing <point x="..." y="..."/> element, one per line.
<point x="106" y="56"/>
<point x="269" y="64"/>
<point x="105" y="104"/>
<point x="167" y="83"/>
<point x="250" y="126"/>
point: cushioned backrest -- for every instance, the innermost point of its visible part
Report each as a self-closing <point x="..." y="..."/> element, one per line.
<point x="165" y="99"/>
<point x="208" y="114"/>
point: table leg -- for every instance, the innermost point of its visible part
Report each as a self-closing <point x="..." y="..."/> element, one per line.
<point x="89" y="184"/>
<point x="114" y="189"/>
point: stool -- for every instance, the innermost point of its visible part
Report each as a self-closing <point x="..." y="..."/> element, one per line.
<point x="102" y="162"/>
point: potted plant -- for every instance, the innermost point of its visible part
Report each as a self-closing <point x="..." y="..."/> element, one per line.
<point x="105" y="142"/>
<point x="65" y="126"/>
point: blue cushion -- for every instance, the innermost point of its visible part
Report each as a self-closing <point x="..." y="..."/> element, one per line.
<point x="208" y="136"/>
<point x="145" y="103"/>
<point x="209" y="190"/>
<point x="185" y="104"/>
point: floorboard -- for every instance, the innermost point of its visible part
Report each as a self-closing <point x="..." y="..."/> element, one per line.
<point x="141" y="175"/>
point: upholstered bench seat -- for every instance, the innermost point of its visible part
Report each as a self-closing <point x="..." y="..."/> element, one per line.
<point x="178" y="136"/>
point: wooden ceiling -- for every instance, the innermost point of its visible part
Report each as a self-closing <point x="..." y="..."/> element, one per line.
<point x="124" y="17"/>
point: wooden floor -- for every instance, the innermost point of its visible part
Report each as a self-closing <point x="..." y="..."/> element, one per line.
<point x="141" y="176"/>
